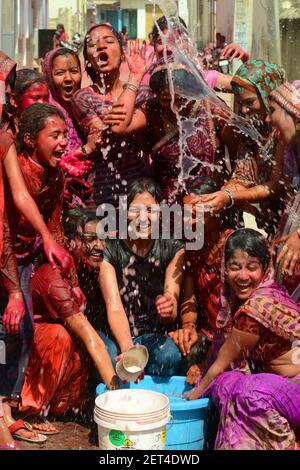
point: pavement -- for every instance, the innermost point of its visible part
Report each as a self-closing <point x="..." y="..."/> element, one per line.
<point x="72" y="436"/>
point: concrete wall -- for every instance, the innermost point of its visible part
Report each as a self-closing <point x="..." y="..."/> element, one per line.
<point x="225" y="18"/>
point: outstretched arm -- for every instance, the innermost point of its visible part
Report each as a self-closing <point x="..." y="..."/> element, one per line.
<point x="236" y="345"/>
<point x="117" y="318"/>
<point x="29" y="209"/>
<point x="79" y="326"/>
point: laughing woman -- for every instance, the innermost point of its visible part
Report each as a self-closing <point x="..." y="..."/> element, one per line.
<point x="120" y="159"/>
<point x="261" y="411"/>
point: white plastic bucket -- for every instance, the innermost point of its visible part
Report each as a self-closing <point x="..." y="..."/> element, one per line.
<point x="132" y="420"/>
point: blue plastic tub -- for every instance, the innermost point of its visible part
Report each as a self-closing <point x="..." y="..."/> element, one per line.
<point x="188" y="430"/>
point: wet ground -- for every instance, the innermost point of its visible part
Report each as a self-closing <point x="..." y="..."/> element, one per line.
<point x="72" y="436"/>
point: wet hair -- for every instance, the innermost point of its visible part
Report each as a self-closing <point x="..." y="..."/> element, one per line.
<point x="202" y="185"/>
<point x="25" y="79"/>
<point x="64" y="51"/>
<point x="90" y="71"/>
<point x="141" y="186"/>
<point x="74" y="221"/>
<point x="237" y="89"/>
<point x="185" y="83"/>
<point x="160" y="25"/>
<point x="34" y="119"/>
<point x="250" y="241"/>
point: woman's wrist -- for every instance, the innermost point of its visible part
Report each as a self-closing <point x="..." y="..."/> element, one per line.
<point x="135" y="79"/>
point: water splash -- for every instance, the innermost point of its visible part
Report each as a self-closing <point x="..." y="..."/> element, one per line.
<point x="185" y="56"/>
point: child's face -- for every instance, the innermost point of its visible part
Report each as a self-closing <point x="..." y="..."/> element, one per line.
<point x="51" y="142"/>
<point x="36" y="93"/>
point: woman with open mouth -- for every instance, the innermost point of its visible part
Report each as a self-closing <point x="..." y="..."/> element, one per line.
<point x="261" y="410"/>
<point x="119" y="160"/>
<point x="63" y="71"/>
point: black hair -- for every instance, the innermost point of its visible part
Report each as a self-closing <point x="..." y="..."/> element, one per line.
<point x="64" y="51"/>
<point x="74" y="221"/>
<point x="250" y="241"/>
<point x="25" y="79"/>
<point x="202" y="185"/>
<point x="144" y="185"/>
<point x="185" y="83"/>
<point x="90" y="71"/>
<point x="34" y="119"/>
<point x="160" y="25"/>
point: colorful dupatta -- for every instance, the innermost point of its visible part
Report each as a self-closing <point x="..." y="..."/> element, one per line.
<point x="74" y="139"/>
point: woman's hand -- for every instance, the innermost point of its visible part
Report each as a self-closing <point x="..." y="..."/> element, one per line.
<point x="165" y="306"/>
<point x="56" y="253"/>
<point x="80" y="297"/>
<point x="74" y="164"/>
<point x="137" y="62"/>
<point x="290" y="253"/>
<point x="14" y="313"/>
<point x="234" y="51"/>
<point x="185" y="339"/>
<point x="115" y="115"/>
<point x="193" y="394"/>
<point x="214" y="202"/>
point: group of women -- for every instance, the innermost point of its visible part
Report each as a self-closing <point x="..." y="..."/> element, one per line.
<point x="227" y="314"/>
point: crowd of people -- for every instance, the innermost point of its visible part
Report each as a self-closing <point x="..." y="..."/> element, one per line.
<point x="76" y="295"/>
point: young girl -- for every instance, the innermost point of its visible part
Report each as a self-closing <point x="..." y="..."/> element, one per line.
<point x="43" y="140"/>
<point x="119" y="160"/>
<point x="31" y="87"/>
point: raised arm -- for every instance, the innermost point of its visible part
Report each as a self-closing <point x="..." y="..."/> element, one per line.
<point x="117" y="318"/>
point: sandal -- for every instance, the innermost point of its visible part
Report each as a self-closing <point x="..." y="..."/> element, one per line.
<point x="20" y="424"/>
<point x="36" y="421"/>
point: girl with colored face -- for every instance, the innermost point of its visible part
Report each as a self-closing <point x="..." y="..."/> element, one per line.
<point x="31" y="87"/>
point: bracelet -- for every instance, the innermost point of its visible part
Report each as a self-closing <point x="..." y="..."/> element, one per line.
<point x="231" y="198"/>
<point x="131" y="86"/>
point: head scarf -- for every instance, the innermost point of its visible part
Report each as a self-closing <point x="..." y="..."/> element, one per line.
<point x="260" y="77"/>
<point x="287" y="96"/>
<point x="270" y="305"/>
<point x="6" y="66"/>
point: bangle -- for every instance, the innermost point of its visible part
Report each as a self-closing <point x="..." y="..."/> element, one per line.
<point x="231" y="198"/>
<point x="131" y="86"/>
<point x="298" y="231"/>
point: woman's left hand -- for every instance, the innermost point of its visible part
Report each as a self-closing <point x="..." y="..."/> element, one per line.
<point x="56" y="252"/>
<point x="290" y="253"/>
<point x="137" y="62"/>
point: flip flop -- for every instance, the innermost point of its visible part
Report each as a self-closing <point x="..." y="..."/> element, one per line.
<point x="34" y="422"/>
<point x="20" y="424"/>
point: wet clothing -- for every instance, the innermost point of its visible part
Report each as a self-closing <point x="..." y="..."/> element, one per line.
<point x="119" y="161"/>
<point x="141" y="280"/>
